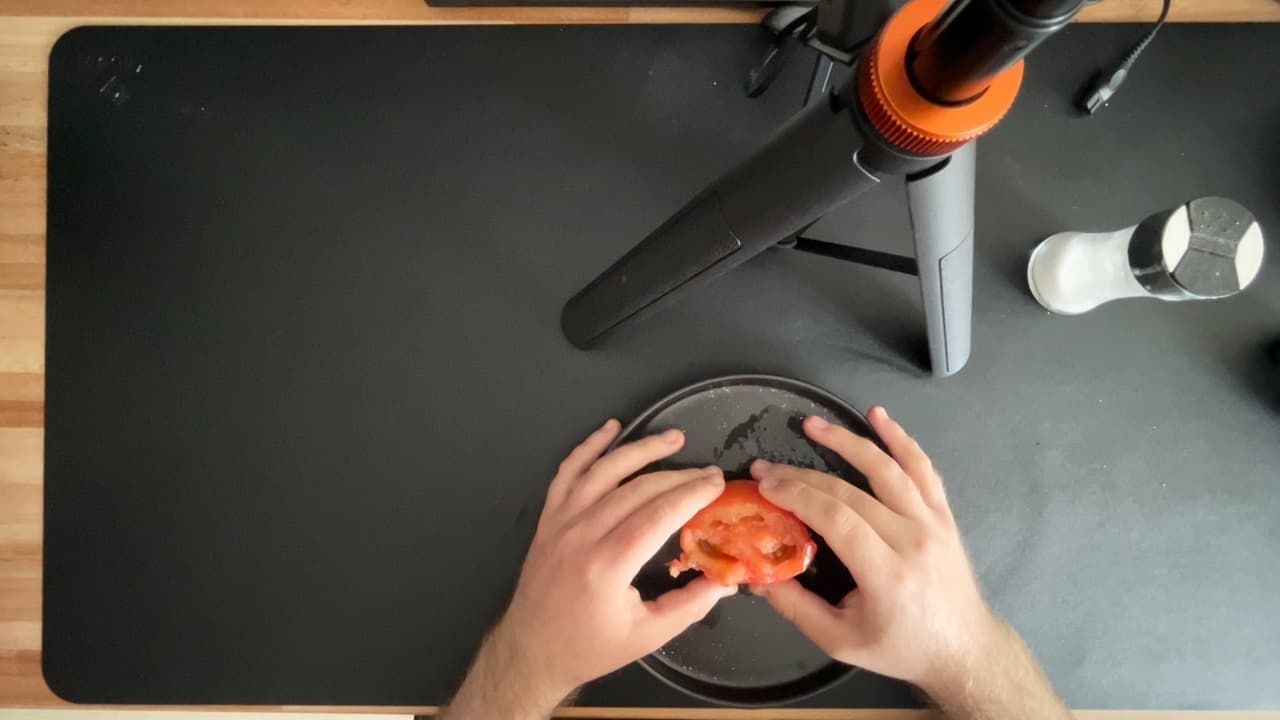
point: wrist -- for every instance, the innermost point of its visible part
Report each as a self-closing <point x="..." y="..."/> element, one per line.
<point x="506" y="681"/>
<point x="532" y="673"/>
<point x="998" y="678"/>
<point x="954" y="672"/>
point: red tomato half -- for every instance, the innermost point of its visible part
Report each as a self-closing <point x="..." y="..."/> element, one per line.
<point x="741" y="538"/>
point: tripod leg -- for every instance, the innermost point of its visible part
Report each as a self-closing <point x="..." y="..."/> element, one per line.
<point x="941" y="205"/>
<point x="807" y="169"/>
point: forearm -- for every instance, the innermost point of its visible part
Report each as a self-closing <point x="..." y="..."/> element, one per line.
<point x="501" y="684"/>
<point x="1000" y="681"/>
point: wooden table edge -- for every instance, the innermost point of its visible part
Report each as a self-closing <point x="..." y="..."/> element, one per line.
<point x="394" y="12"/>
<point x="41" y="23"/>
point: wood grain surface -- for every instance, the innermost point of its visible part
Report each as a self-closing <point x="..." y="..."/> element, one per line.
<point x="28" y="29"/>
<point x="409" y="11"/>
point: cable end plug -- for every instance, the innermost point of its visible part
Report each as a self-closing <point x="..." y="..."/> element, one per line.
<point x="1099" y="91"/>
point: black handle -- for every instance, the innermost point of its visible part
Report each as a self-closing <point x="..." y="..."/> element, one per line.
<point x="956" y="56"/>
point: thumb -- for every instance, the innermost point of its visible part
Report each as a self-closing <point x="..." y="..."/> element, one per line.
<point x="816" y="619"/>
<point x="673" y="612"/>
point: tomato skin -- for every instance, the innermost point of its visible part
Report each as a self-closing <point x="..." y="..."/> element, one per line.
<point x="741" y="538"/>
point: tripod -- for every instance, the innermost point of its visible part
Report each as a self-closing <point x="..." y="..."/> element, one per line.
<point x="933" y="79"/>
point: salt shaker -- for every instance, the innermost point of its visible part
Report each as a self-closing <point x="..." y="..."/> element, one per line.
<point x="1208" y="248"/>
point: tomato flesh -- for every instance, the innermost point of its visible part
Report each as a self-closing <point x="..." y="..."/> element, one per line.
<point x="741" y="538"/>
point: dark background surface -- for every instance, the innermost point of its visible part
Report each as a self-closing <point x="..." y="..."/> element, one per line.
<point x="306" y="385"/>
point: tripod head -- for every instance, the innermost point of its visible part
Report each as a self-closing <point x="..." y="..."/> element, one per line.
<point x="938" y="76"/>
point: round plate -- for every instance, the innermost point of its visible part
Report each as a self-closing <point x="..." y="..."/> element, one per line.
<point x="743" y="653"/>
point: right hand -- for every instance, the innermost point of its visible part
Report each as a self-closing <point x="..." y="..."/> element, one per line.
<point x="917" y="614"/>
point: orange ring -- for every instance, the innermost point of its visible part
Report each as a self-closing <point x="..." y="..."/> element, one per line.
<point x="905" y="118"/>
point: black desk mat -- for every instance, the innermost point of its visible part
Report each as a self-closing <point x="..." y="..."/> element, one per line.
<point x="306" y="386"/>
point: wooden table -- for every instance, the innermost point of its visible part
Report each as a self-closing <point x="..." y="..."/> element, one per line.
<point x="28" y="29"/>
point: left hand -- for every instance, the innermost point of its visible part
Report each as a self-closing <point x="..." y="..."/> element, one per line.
<point x="575" y="615"/>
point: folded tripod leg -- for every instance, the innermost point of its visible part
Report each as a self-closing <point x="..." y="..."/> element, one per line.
<point x="807" y="169"/>
<point x="941" y="205"/>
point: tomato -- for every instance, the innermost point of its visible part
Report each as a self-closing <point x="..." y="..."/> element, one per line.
<point x="741" y="538"/>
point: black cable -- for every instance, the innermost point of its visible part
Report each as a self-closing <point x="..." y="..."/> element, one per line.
<point x="1105" y="84"/>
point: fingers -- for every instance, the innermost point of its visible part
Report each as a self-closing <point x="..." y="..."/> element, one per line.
<point x="641" y="534"/>
<point x="673" y="612"/>
<point x="817" y="620"/>
<point x="890" y="483"/>
<point x="849" y="535"/>
<point x="910" y="456"/>
<point x="623" y="462"/>
<point x="887" y="524"/>
<point x="579" y="460"/>
<point x="616" y="506"/>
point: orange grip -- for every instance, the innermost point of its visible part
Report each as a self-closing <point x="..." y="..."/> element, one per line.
<point x="907" y="119"/>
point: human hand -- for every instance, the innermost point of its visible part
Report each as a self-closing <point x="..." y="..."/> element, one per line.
<point x="575" y="615"/>
<point x="917" y="613"/>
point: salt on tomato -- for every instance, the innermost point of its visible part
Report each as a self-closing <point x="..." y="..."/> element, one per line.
<point x="741" y="538"/>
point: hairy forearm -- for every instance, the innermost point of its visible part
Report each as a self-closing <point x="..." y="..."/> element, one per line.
<point x="1000" y="681"/>
<point x="501" y="684"/>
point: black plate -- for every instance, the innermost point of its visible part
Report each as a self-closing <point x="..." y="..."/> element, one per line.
<point x="743" y="653"/>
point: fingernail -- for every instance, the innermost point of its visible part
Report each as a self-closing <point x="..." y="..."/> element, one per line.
<point x="760" y="468"/>
<point x="880" y="411"/>
<point x="712" y="471"/>
<point x="728" y="591"/>
<point x="757" y="590"/>
<point x="817" y="423"/>
<point x="672" y="436"/>
<point x="608" y="424"/>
